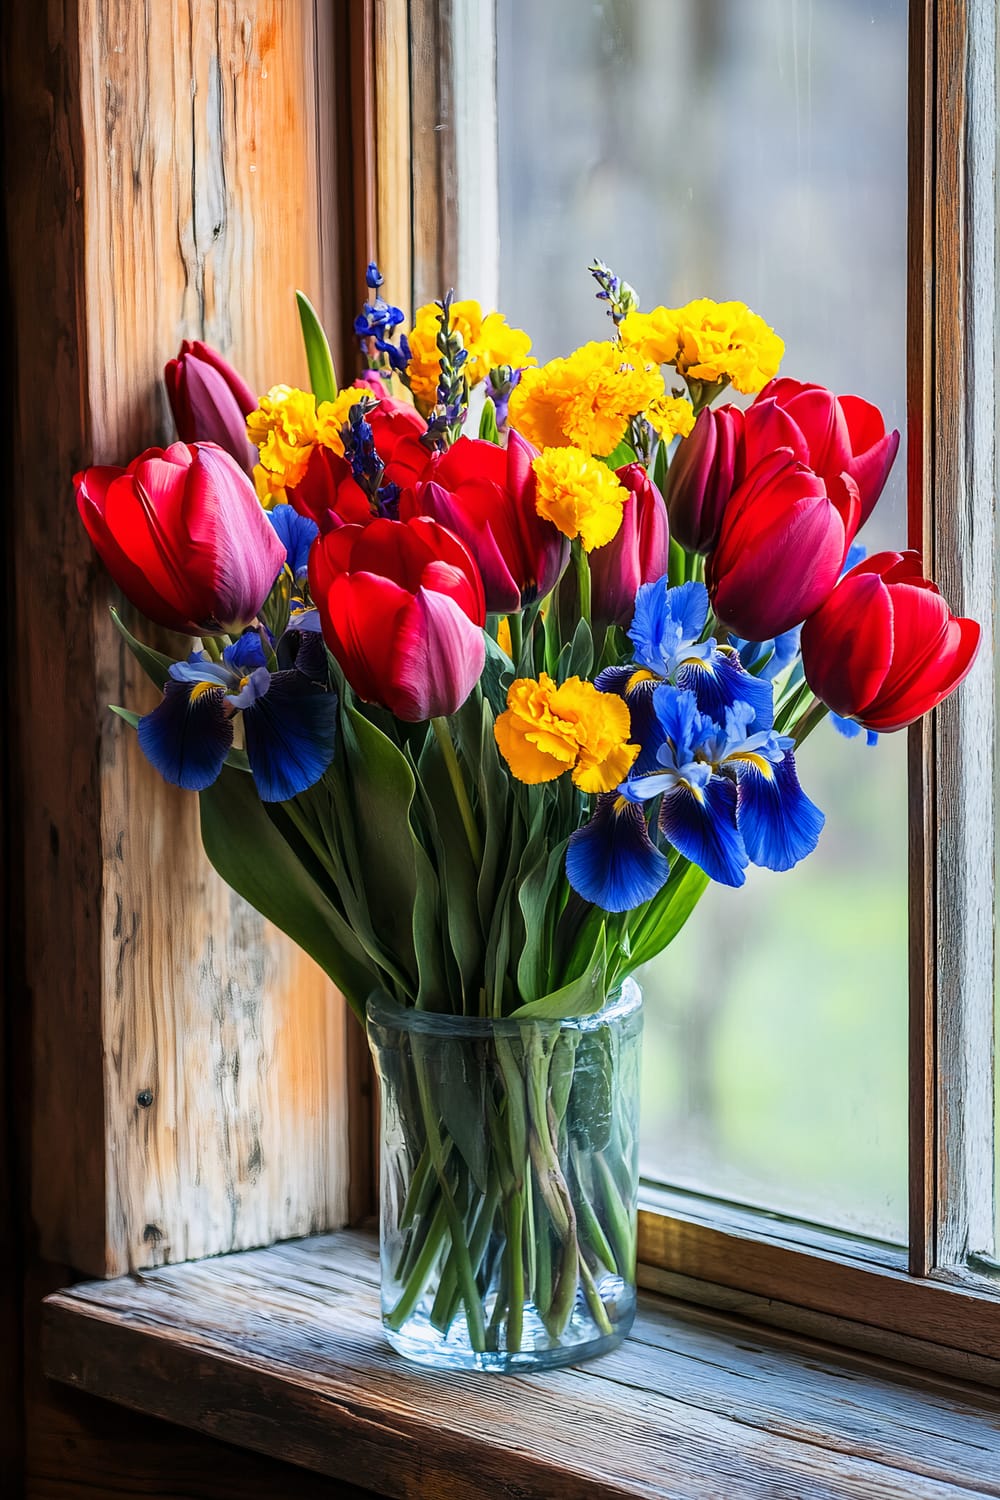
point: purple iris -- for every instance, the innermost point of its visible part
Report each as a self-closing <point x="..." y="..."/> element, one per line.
<point x="289" y="714"/>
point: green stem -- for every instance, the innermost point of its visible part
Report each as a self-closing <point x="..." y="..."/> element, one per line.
<point x="598" y="1311"/>
<point x="621" y="1230"/>
<point x="418" y="1278"/>
<point x="447" y="744"/>
<point x="582" y="564"/>
<point x="211" y="647"/>
<point x="589" y="1222"/>
<point x="516" y="637"/>
<point x="460" y="1249"/>
<point x="515" y="1273"/>
<point x="814" y="714"/>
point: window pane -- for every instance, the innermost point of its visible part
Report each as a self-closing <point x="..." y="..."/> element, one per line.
<point x="715" y="148"/>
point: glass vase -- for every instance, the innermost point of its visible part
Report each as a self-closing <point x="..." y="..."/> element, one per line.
<point x="509" y="1176"/>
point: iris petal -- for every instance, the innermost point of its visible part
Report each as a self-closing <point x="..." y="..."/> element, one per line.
<point x="721" y="682"/>
<point x="188" y="736"/>
<point x="612" y="861"/>
<point x="703" y="829"/>
<point x="290" y="736"/>
<point x="778" y="822"/>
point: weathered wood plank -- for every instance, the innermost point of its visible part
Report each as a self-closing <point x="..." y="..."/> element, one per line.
<point x="164" y="184"/>
<point x="281" y="1350"/>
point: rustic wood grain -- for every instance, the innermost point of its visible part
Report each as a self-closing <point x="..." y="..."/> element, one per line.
<point x="882" y="1296"/>
<point x="436" y="205"/>
<point x="281" y="1351"/>
<point x="965" y="542"/>
<point x="163" y="184"/>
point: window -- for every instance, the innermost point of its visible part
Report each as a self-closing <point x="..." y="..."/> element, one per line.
<point x="804" y="1101"/>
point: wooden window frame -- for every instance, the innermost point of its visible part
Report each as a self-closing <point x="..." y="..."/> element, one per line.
<point x="796" y="1273"/>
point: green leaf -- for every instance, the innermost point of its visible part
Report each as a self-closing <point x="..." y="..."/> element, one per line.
<point x="582" y="996"/>
<point x="660" y="468"/>
<point x="458" y="872"/>
<point x="155" y="665"/>
<point x="676" y="564"/>
<point x="623" y="454"/>
<point x="322" y="375"/>
<point x="663" y="917"/>
<point x="534" y="897"/>
<point x="400" y="882"/>
<point x="127" y="714"/>
<point x="247" y="849"/>
<point x="498" y="674"/>
<point x="488" y="429"/>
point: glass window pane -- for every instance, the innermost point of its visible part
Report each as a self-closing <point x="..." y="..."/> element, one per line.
<point x="715" y="148"/>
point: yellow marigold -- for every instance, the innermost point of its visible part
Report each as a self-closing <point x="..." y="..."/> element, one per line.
<point x="670" y="417"/>
<point x="286" y="427"/>
<point x="546" y="730"/>
<point x="710" y="341"/>
<point x="490" y="341"/>
<point x="579" y="495"/>
<point x="585" y="400"/>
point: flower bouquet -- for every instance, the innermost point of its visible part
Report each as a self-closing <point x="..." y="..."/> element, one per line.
<point x="476" y="721"/>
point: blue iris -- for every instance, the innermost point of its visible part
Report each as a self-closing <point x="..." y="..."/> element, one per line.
<point x="666" y="634"/>
<point x="728" y="797"/>
<point x="296" y="534"/>
<point x="289" y="715"/>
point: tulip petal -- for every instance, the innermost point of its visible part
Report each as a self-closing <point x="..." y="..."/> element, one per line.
<point x="847" y="645"/>
<point x="290" y="736"/>
<point x="612" y="861"/>
<point x="215" y="414"/>
<point x="439" y="656"/>
<point x="702" y="827"/>
<point x="188" y="736"/>
<point x="778" y="822"/>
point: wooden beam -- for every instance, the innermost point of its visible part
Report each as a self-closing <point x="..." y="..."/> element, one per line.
<point x="187" y="1062"/>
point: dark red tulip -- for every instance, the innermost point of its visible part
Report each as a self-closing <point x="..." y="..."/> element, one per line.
<point x="183" y="535"/>
<point x="783" y="541"/>
<point x="486" y="496"/>
<point x="210" y="401"/>
<point x="841" y="434"/>
<point x="705" y="470"/>
<point x="885" y="648"/>
<point x="637" y="554"/>
<point x="402" y="609"/>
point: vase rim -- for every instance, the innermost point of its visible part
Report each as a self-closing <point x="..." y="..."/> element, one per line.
<point x="382" y="1010"/>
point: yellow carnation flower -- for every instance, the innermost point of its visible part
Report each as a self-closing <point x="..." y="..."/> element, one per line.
<point x="708" y="341"/>
<point x="490" y="341"/>
<point x="585" y="400"/>
<point x="579" y="495"/>
<point x="670" y="417"/>
<point x="546" y="730"/>
<point x="286" y="427"/>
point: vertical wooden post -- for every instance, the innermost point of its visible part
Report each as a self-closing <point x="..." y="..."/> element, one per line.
<point x="188" y="1076"/>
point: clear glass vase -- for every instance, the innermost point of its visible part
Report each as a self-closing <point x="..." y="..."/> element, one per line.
<point x="509" y="1175"/>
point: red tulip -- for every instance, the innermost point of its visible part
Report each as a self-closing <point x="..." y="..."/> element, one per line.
<point x="184" y="536"/>
<point x="397" y="428"/>
<point x="703" y="474"/>
<point x="885" y="648"/>
<point x="402" y="609"/>
<point x="210" y="401"/>
<point x="486" y="496"/>
<point x="637" y="554"/>
<point x="841" y="435"/>
<point x="329" y="494"/>
<point x="784" y="537"/>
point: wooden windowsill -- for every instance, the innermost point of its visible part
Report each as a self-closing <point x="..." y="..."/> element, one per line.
<point x="281" y="1351"/>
